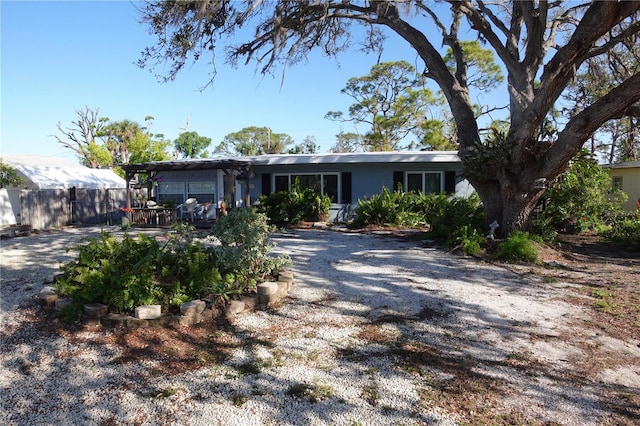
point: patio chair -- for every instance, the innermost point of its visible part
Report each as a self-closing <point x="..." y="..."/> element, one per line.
<point x="189" y="208"/>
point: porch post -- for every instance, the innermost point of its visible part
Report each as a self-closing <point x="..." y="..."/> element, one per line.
<point x="127" y="179"/>
<point x="150" y="181"/>
<point x="247" y="187"/>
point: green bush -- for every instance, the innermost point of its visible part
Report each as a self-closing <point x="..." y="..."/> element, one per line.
<point x="452" y="220"/>
<point x="581" y="198"/>
<point x="395" y="208"/>
<point x="129" y="272"/>
<point x="244" y="247"/>
<point x="450" y="214"/>
<point x="299" y="204"/>
<point x="118" y="273"/>
<point x="519" y="247"/>
<point x="625" y="229"/>
<point x="467" y="239"/>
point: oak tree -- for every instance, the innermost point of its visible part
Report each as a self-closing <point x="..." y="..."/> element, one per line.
<point x="541" y="46"/>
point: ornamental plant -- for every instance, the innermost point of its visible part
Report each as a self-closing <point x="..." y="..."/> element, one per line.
<point x="580" y="199"/>
<point x="294" y="206"/>
<point x="242" y="247"/>
<point x="127" y="272"/>
<point x="519" y="247"/>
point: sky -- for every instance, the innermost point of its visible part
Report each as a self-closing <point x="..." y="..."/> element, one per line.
<point x="60" y="57"/>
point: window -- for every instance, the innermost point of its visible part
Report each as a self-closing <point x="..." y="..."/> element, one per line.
<point x="617" y="182"/>
<point x="171" y="191"/>
<point x="426" y="182"/>
<point x="201" y="191"/>
<point x="326" y="183"/>
<point x="282" y="183"/>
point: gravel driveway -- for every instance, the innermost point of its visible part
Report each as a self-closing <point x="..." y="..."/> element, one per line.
<point x="377" y="330"/>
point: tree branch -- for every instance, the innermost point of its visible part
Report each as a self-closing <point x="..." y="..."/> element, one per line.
<point x="620" y="101"/>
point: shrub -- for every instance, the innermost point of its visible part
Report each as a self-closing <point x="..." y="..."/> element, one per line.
<point x="581" y="197"/>
<point x="129" y="272"/>
<point x="388" y="208"/>
<point x="467" y="239"/>
<point x="244" y="247"/>
<point x="452" y="220"/>
<point x="118" y="273"/>
<point x="625" y="229"/>
<point x="519" y="246"/>
<point x="299" y="204"/>
<point x="450" y="214"/>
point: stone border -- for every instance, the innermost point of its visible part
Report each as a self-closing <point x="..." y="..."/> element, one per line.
<point x="192" y="312"/>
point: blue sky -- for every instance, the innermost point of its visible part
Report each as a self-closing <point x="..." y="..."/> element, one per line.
<point x="58" y="57"/>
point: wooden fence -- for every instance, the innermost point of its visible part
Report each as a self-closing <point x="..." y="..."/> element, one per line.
<point x="51" y="208"/>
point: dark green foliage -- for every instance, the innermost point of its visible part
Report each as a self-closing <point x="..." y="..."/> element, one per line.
<point x="625" y="229"/>
<point x="129" y="272"/>
<point x="447" y="215"/>
<point x="444" y="214"/>
<point x="519" y="247"/>
<point x="455" y="221"/>
<point x="9" y="176"/>
<point x="298" y="204"/>
<point x="467" y="239"/>
<point x="580" y="199"/>
<point x="396" y="208"/>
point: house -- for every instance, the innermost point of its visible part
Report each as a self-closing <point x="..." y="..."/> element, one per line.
<point x="626" y="176"/>
<point x="56" y="192"/>
<point x="345" y="177"/>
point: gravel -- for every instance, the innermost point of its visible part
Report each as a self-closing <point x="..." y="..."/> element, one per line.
<point x="330" y="359"/>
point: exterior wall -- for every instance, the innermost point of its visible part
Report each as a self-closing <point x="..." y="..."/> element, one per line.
<point x="630" y="184"/>
<point x="366" y="179"/>
<point x="347" y="178"/>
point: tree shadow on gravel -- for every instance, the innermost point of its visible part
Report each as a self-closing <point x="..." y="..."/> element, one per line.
<point x="407" y="319"/>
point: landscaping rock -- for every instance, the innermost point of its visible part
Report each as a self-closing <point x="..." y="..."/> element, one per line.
<point x="123" y="321"/>
<point x="267" y="288"/>
<point x="193" y="308"/>
<point x="48" y="296"/>
<point x="61" y="303"/>
<point x="235" y="307"/>
<point x="285" y="276"/>
<point x="95" y="310"/>
<point x="283" y="288"/>
<point x="147" y="312"/>
<point x="250" y="301"/>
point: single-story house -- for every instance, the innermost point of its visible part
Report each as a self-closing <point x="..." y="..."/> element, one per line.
<point x="345" y="177"/>
<point x="626" y="176"/>
<point x="56" y="191"/>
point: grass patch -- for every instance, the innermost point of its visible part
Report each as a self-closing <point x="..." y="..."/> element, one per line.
<point x="238" y="399"/>
<point x="605" y="300"/>
<point x="311" y="392"/>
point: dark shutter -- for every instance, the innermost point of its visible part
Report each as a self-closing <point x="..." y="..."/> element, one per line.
<point x="266" y="184"/>
<point x="398" y="180"/>
<point x="346" y="187"/>
<point x="450" y="182"/>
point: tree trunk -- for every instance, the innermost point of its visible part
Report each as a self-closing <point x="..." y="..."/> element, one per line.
<point x="508" y="204"/>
